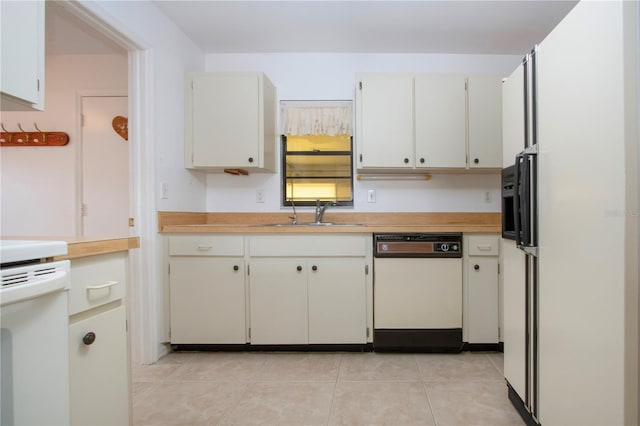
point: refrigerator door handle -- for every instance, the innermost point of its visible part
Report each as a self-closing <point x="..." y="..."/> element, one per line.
<point x="517" y="213"/>
<point x="524" y="200"/>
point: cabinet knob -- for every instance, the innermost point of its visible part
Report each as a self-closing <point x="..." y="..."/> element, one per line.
<point x="299" y="268"/>
<point x="406" y="161"/>
<point x="422" y="160"/>
<point x="476" y="267"/>
<point x="251" y="159"/>
<point x="314" y="268"/>
<point x="236" y="267"/>
<point x="89" y="338"/>
<point x="476" y="161"/>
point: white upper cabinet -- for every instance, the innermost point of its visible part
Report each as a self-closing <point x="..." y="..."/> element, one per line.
<point x="384" y="121"/>
<point x="428" y="121"/>
<point x="230" y="121"/>
<point x="22" y="57"/>
<point x="484" y="116"/>
<point x="440" y="121"/>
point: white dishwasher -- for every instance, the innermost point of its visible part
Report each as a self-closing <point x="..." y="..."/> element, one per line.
<point x="418" y="292"/>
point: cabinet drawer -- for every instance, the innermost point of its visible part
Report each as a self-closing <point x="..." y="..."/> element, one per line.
<point x="308" y="246"/>
<point x="483" y="245"/>
<point x="206" y="245"/>
<point x="96" y="280"/>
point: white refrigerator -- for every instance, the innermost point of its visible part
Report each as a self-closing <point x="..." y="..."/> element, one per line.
<point x="570" y="291"/>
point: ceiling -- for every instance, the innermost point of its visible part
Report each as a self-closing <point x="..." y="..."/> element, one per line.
<point x="422" y="26"/>
<point x="427" y="26"/>
<point x="65" y="34"/>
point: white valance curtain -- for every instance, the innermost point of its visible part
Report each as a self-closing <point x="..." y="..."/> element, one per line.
<point x="303" y="118"/>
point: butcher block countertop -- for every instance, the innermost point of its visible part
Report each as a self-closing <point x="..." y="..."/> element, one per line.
<point x="88" y="246"/>
<point x="258" y="223"/>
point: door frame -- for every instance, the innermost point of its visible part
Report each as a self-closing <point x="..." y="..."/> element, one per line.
<point x="142" y="293"/>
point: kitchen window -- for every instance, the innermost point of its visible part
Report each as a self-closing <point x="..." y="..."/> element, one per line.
<point x="317" y="153"/>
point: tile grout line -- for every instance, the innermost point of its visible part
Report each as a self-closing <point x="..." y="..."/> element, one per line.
<point x="426" y="392"/>
<point x="335" y="387"/>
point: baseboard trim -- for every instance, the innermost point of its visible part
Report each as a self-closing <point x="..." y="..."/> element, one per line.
<point x="368" y="347"/>
<point x="520" y="407"/>
<point x="481" y="347"/>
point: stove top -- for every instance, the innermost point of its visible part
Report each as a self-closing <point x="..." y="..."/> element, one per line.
<point x="25" y="250"/>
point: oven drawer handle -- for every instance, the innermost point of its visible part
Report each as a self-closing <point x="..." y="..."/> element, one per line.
<point x="101" y="286"/>
<point x="484" y="247"/>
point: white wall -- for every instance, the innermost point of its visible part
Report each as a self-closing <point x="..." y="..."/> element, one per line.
<point x="39" y="183"/>
<point x="307" y="76"/>
<point x="173" y="55"/>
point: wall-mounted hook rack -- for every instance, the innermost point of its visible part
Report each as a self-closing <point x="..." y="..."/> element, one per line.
<point x="37" y="138"/>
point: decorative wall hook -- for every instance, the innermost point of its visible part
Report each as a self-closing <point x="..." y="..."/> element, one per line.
<point x="37" y="138"/>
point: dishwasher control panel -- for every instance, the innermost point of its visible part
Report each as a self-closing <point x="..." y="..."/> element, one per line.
<point x="418" y="245"/>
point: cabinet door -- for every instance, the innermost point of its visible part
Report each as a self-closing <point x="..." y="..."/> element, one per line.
<point x="99" y="372"/>
<point x="278" y="302"/>
<point x="384" y="119"/>
<point x="485" y="121"/>
<point x="482" y="297"/>
<point x="227" y="123"/>
<point x="207" y="300"/>
<point x="440" y="121"/>
<point x="22" y="62"/>
<point x="337" y="301"/>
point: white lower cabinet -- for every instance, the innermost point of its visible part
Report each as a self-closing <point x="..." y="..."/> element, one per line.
<point x="278" y="302"/>
<point x="308" y="301"/>
<point x="99" y="364"/>
<point x="337" y="301"/>
<point x="207" y="289"/>
<point x="207" y="301"/>
<point x="481" y="317"/>
<point x="295" y="289"/>
<point x="98" y="341"/>
<point x="307" y="289"/>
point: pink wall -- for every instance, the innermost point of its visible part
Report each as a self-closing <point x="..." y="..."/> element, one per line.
<point x="38" y="184"/>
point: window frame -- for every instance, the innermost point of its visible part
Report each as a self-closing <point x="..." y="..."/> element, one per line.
<point x="283" y="183"/>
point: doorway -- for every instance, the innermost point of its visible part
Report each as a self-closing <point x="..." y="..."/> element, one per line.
<point x="104" y="166"/>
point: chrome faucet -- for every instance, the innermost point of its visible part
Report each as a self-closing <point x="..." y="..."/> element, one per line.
<point x="321" y="208"/>
<point x="294" y="218"/>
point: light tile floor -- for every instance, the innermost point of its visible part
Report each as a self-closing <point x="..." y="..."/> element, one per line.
<point x="229" y="388"/>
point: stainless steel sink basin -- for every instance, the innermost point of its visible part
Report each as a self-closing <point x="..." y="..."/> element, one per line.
<point x="328" y="224"/>
<point x="274" y="224"/>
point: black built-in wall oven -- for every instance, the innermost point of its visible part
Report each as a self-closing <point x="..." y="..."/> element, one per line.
<point x="508" y="199"/>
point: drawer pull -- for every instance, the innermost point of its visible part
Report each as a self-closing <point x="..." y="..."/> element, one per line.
<point x="101" y="286"/>
<point x="204" y="248"/>
<point x="89" y="338"/>
<point x="485" y="247"/>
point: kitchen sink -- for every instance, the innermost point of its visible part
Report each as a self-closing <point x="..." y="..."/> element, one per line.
<point x="310" y="224"/>
<point x="331" y="224"/>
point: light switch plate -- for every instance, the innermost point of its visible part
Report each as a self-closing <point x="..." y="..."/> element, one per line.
<point x="260" y="196"/>
<point x="371" y="196"/>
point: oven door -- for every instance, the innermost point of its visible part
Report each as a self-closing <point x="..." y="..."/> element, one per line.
<point x="34" y="349"/>
<point x="508" y="203"/>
